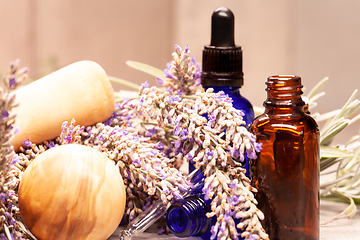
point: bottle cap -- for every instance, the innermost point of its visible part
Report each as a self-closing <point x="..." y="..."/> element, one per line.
<point x="222" y="59"/>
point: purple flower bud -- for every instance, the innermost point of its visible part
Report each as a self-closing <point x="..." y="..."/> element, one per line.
<point x="3" y="237"/>
<point x="15" y="159"/>
<point x="179" y="92"/>
<point x="192" y="61"/>
<point x="177" y="144"/>
<point x="211" y="119"/>
<point x="168" y="74"/>
<point x="160" y="81"/>
<point x="234" y="200"/>
<point x="136" y="160"/>
<point x="177" y="49"/>
<point x="142" y="100"/>
<point x="208" y="154"/>
<point x="186" y="49"/>
<point x="168" y="65"/>
<point x="151" y="132"/>
<point x="16" y="130"/>
<point x="197" y="82"/>
<point x="145" y="85"/>
<point x="159" y="145"/>
<point x="27" y="143"/>
<point x="170" y="89"/>
<point x="177" y="129"/>
<point x="258" y="146"/>
<point x="108" y="122"/>
<point x="52" y="144"/>
<point x="3" y="197"/>
<point x="232" y="184"/>
<point x="184" y="134"/>
<point x="250" y="154"/>
<point x="5" y="114"/>
<point x="153" y="152"/>
<point x="12" y="82"/>
<point x="12" y="222"/>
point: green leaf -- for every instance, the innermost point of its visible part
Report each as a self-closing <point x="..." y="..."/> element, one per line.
<point x="349" y="212"/>
<point x="333" y="152"/>
<point x="350" y="105"/>
<point x="317" y="88"/>
<point x="122" y="94"/>
<point x="316" y="97"/>
<point x="354" y="119"/>
<point x="353" y="139"/>
<point x="326" y="116"/>
<point x="153" y="71"/>
<point x="329" y="134"/>
<point x="325" y="163"/>
<point x="124" y="82"/>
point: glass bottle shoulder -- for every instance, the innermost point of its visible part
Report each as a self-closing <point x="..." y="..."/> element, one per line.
<point x="294" y="122"/>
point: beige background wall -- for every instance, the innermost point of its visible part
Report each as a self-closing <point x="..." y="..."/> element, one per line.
<point x="312" y="39"/>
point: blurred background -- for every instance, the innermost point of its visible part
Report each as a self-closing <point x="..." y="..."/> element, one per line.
<point x="311" y="39"/>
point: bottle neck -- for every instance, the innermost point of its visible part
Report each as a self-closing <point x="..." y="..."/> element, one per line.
<point x="284" y="93"/>
<point x="187" y="217"/>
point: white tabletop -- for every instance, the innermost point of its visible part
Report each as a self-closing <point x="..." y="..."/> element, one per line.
<point x="342" y="229"/>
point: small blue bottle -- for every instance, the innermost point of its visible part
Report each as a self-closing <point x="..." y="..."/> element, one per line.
<point x="187" y="217"/>
<point x="222" y="65"/>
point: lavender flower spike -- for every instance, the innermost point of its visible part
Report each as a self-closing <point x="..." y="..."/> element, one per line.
<point x="9" y="161"/>
<point x="183" y="73"/>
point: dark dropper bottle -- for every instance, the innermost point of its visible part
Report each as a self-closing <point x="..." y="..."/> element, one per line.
<point x="222" y="64"/>
<point x="222" y="71"/>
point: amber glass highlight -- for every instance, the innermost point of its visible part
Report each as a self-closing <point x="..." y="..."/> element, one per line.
<point x="286" y="172"/>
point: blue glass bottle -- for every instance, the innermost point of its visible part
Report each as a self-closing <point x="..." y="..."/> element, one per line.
<point x="187" y="217"/>
<point x="222" y="65"/>
<point x="222" y="71"/>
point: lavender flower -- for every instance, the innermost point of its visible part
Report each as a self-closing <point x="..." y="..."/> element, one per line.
<point x="183" y="73"/>
<point x="9" y="161"/>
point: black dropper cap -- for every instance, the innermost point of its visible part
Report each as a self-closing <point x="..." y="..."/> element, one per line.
<point x="222" y="59"/>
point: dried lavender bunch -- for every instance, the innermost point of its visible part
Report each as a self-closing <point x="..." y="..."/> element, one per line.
<point x="146" y="134"/>
<point x="217" y="145"/>
<point x="182" y="73"/>
<point x="10" y="169"/>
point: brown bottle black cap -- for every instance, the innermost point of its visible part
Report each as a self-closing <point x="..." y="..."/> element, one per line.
<point x="222" y="59"/>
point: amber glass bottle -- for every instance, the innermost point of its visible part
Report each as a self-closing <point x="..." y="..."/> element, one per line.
<point x="286" y="171"/>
